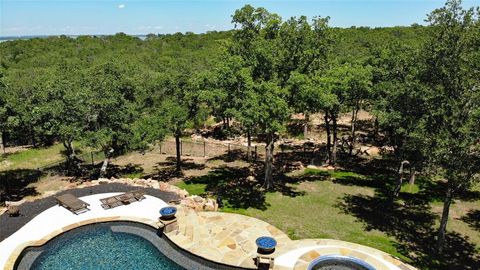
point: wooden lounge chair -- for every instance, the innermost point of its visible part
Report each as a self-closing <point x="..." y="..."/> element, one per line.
<point x="125" y="198"/>
<point x="72" y="203"/>
<point x="138" y="194"/>
<point x="110" y="202"/>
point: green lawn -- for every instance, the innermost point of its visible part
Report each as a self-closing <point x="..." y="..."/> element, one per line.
<point x="193" y="189"/>
<point x="316" y="215"/>
<point x="32" y="158"/>
<point x="345" y="206"/>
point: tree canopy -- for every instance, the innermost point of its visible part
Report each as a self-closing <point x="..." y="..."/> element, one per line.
<point x="119" y="93"/>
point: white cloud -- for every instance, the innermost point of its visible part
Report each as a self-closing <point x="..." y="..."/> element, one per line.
<point x="121" y="6"/>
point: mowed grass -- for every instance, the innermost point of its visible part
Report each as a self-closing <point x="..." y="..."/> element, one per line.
<point x="32" y="158"/>
<point x="318" y="214"/>
<point x="192" y="188"/>
<point x="40" y="157"/>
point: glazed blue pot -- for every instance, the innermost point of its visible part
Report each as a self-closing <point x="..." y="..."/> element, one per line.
<point x="168" y="212"/>
<point x="266" y="244"/>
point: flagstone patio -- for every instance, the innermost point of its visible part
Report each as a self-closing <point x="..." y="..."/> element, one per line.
<point x="224" y="238"/>
<point x="230" y="239"/>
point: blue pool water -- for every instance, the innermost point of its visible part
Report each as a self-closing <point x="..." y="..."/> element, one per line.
<point x="98" y="248"/>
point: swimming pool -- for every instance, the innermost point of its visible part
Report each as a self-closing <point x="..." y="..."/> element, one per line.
<point x="111" y="245"/>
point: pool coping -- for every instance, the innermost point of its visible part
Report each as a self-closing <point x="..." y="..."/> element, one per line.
<point x="29" y="209"/>
<point x="195" y="233"/>
<point x="283" y="254"/>
<point x="9" y="265"/>
<point x="149" y="232"/>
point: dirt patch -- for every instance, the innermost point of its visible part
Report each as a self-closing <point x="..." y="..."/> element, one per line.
<point x="16" y="149"/>
<point x="52" y="183"/>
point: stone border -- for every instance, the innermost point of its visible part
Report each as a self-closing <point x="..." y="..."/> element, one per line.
<point x="316" y="247"/>
<point x="30" y="209"/>
<point x="226" y="238"/>
<point x="329" y="246"/>
<point x="19" y="249"/>
<point x="305" y="260"/>
<point x="311" y="249"/>
<point x="150" y="234"/>
<point x="195" y="202"/>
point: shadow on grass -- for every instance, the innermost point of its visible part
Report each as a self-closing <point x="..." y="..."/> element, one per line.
<point x="232" y="155"/>
<point x="411" y="224"/>
<point x="186" y="164"/>
<point x="233" y="186"/>
<point x="121" y="171"/>
<point x="472" y="218"/>
<point x="14" y="184"/>
<point x="409" y="219"/>
<point x="165" y="171"/>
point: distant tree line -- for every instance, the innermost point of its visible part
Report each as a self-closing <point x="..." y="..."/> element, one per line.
<point x="422" y="84"/>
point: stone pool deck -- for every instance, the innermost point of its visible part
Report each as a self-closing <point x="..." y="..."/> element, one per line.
<point x="230" y="239"/>
<point x="220" y="237"/>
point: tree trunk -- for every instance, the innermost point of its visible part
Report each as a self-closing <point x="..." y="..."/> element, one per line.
<point x="305" y="126"/>
<point x="2" y="145"/>
<point x="72" y="150"/>
<point x="103" y="170"/>
<point x="249" y="145"/>
<point x="354" y="120"/>
<point x="335" y="139"/>
<point x="224" y="122"/>
<point x="413" y="172"/>
<point x="399" y="182"/>
<point x="329" y="139"/>
<point x="228" y="122"/>
<point x="443" y="222"/>
<point x="268" y="184"/>
<point x="177" y="147"/>
<point x="68" y="144"/>
<point x="375" y="129"/>
<point x="34" y="142"/>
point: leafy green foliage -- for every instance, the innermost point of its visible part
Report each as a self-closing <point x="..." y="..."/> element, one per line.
<point x="119" y="92"/>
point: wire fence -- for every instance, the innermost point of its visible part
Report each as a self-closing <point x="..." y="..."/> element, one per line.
<point x="19" y="180"/>
<point x="214" y="149"/>
<point x="15" y="184"/>
<point x="210" y="149"/>
<point x="91" y="157"/>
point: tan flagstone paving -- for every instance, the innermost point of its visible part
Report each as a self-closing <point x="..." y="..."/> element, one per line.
<point x="230" y="239"/>
<point x="222" y="237"/>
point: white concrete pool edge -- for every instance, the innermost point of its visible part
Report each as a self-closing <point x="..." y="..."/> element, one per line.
<point x="289" y="259"/>
<point x="56" y="218"/>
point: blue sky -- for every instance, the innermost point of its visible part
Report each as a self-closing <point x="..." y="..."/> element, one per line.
<point x="72" y="17"/>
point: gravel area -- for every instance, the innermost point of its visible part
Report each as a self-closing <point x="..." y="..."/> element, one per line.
<point x="28" y="210"/>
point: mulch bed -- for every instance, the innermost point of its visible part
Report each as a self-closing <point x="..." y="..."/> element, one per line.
<point x="28" y="210"/>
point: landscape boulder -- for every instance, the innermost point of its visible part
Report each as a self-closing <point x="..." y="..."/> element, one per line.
<point x="13" y="210"/>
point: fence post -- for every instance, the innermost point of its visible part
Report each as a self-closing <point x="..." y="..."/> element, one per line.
<point x="204" y="149"/>
<point x="229" y="154"/>
<point x="181" y="148"/>
<point x="256" y="155"/>
<point x="91" y="154"/>
<point x="160" y="144"/>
